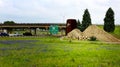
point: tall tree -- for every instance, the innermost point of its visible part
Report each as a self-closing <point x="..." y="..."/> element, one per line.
<point x="109" y="25"/>
<point x="86" y="20"/>
<point x="78" y="24"/>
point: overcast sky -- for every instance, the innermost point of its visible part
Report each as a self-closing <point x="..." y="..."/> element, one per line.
<point x="56" y="11"/>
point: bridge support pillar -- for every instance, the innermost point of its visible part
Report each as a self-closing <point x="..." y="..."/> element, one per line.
<point x="46" y="28"/>
<point x="35" y="31"/>
<point x="8" y="30"/>
<point x="1" y="30"/>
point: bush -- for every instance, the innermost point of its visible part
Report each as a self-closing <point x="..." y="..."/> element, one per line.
<point x="93" y="38"/>
<point x="27" y="34"/>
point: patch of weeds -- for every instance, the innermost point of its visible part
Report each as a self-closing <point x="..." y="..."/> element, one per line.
<point x="2" y="54"/>
<point x="92" y="38"/>
<point x="44" y="50"/>
<point x="72" y="60"/>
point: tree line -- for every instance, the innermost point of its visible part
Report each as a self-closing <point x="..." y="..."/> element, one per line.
<point x="109" y="25"/>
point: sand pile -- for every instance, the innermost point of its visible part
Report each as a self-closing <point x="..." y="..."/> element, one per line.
<point x="92" y="30"/>
<point x="100" y="34"/>
<point x="75" y="34"/>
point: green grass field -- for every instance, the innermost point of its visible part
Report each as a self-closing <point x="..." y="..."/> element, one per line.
<point x="49" y="51"/>
<point x="53" y="52"/>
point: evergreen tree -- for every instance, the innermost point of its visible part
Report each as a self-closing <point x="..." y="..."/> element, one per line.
<point x="86" y="20"/>
<point x="109" y="25"/>
<point x="78" y="24"/>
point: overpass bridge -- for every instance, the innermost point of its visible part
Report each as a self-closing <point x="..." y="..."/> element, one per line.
<point x="30" y="26"/>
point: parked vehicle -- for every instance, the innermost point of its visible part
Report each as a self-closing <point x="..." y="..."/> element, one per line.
<point x="4" y="34"/>
<point x="15" y="35"/>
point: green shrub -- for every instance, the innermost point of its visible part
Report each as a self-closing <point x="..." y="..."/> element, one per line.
<point x="92" y="38"/>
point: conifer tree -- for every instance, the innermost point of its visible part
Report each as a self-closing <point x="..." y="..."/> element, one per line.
<point x="78" y="24"/>
<point x="86" y="20"/>
<point x="109" y="25"/>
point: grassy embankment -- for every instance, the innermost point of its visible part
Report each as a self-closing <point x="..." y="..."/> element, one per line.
<point x="116" y="32"/>
<point x="52" y="52"/>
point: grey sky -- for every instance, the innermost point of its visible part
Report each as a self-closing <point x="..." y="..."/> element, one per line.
<point x="56" y="11"/>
